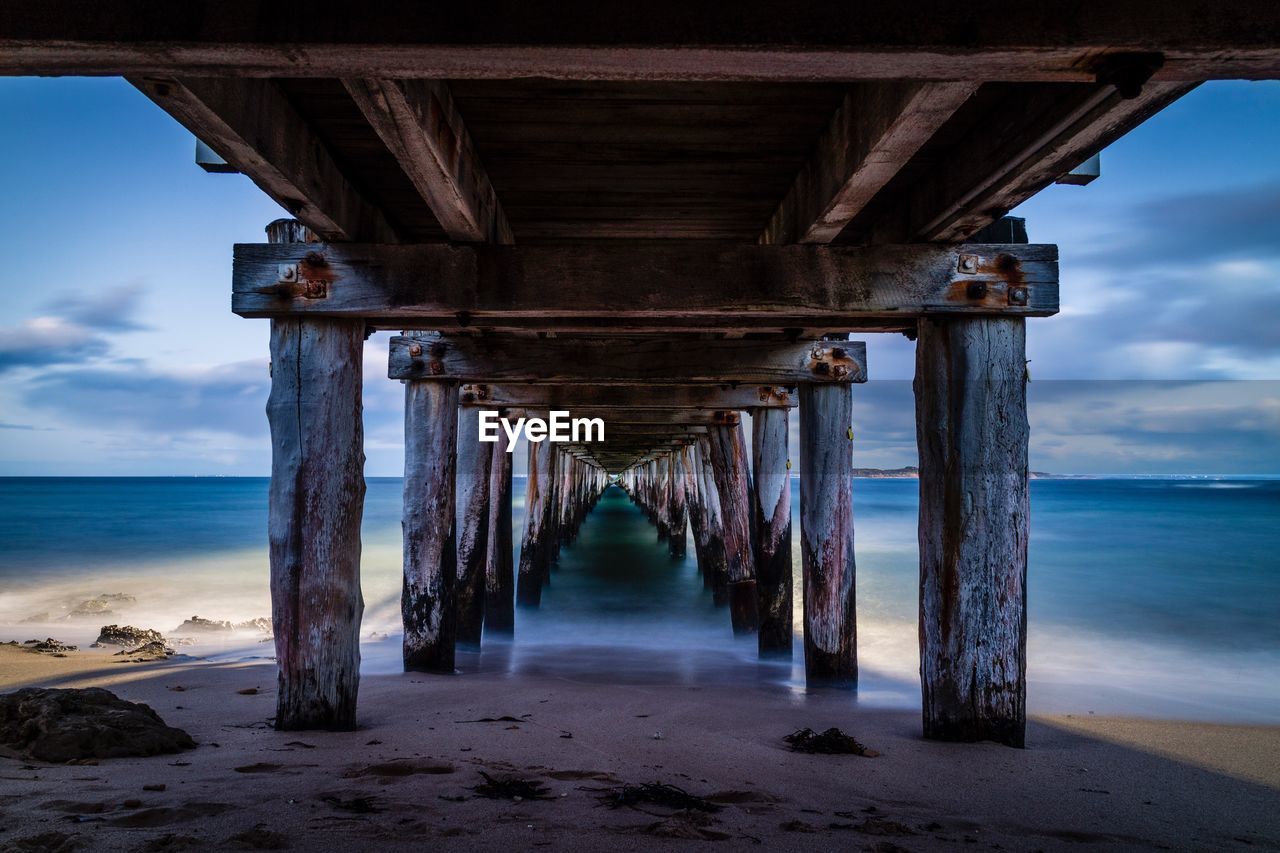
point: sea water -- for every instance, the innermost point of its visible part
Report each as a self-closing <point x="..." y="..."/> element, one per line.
<point x="1153" y="597"/>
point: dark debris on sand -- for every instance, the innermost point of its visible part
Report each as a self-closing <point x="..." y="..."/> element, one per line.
<point x="62" y="725"/>
<point x="355" y="805"/>
<point x="511" y="788"/>
<point x="831" y="742"/>
<point x="657" y="794"/>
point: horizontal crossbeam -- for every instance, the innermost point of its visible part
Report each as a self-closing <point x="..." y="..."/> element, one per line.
<point x="1049" y="40"/>
<point x="642" y="286"/>
<point x="622" y="400"/>
<point x="625" y="361"/>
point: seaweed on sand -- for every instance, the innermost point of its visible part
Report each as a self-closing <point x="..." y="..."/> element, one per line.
<point x="658" y="794"/>
<point x="511" y="788"/>
<point x="831" y="742"/>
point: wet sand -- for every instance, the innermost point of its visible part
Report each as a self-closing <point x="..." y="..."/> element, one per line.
<point x="404" y="780"/>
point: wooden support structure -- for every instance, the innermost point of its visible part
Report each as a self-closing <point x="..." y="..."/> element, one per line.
<point x="535" y="547"/>
<point x="670" y="286"/>
<point x="715" y="570"/>
<point x="625" y="361"/>
<point x="499" y="568"/>
<point x="252" y="125"/>
<point x="678" y="511"/>
<point x="419" y="123"/>
<point x="826" y="535"/>
<point x="733" y="482"/>
<point x="699" y="206"/>
<point x="874" y="133"/>
<point x="315" y="504"/>
<point x="472" y="502"/>
<point x="507" y="39"/>
<point x="771" y="525"/>
<point x="971" y="416"/>
<point x="427" y="603"/>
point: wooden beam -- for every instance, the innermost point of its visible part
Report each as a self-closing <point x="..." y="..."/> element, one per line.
<point x="643" y="285"/>
<point x="420" y="124"/>
<point x="875" y="131"/>
<point x="625" y="361"/>
<point x="666" y="40"/>
<point x="253" y="127"/>
<point x="613" y="397"/>
<point x="1024" y="150"/>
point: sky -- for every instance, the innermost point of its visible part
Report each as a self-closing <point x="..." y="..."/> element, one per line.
<point x="119" y="354"/>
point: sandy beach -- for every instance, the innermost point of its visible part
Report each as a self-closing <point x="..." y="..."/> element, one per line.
<point x="405" y="778"/>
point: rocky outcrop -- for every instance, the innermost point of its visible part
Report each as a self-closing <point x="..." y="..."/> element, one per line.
<point x="49" y="646"/>
<point x="101" y="605"/>
<point x="127" y="636"/>
<point x="75" y="724"/>
<point x="199" y="625"/>
<point x="155" y="650"/>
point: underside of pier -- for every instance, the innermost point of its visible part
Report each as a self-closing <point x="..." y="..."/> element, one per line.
<point x="663" y="216"/>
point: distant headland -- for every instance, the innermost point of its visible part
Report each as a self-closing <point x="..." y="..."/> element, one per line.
<point x="911" y="472"/>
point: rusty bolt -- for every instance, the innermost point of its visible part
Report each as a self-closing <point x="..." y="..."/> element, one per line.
<point x="315" y="259"/>
<point x="976" y="290"/>
<point x="839" y="371"/>
<point x="437" y="368"/>
<point x="289" y="273"/>
<point x="968" y="263"/>
<point x="822" y="368"/>
<point x="415" y="350"/>
<point x="839" y="352"/>
<point x="1017" y="296"/>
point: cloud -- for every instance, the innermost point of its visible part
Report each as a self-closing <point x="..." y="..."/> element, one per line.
<point x="44" y="341"/>
<point x="227" y="398"/>
<point x="72" y="330"/>
<point x="1193" y="228"/>
<point x="112" y="310"/>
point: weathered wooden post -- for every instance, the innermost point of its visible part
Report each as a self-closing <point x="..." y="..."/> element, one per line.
<point x="678" y="509"/>
<point x="715" y="573"/>
<point x="662" y="504"/>
<point x="693" y="502"/>
<point x="972" y="431"/>
<point x="315" y="504"/>
<point x="474" y="460"/>
<point x="772" y="526"/>
<point x="535" y="547"/>
<point x="499" y="591"/>
<point x="826" y="534"/>
<point x="430" y="543"/>
<point x="733" y="481"/>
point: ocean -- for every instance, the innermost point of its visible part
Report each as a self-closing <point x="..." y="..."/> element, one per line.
<point x="1147" y="597"/>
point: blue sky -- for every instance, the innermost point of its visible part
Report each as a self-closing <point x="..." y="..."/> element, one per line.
<point x="119" y="353"/>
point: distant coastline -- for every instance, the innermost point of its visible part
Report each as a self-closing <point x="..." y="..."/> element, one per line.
<point x="911" y="472"/>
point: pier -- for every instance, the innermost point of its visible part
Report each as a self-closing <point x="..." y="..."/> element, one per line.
<point x="682" y="224"/>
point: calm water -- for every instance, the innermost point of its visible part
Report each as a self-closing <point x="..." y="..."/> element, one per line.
<point x="1147" y="596"/>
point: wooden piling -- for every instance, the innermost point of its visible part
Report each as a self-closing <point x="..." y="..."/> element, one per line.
<point x="771" y="524"/>
<point x="315" y="504"/>
<point x="826" y="535"/>
<point x="971" y="426"/>
<point x="535" y="546"/>
<point x="715" y="572"/>
<point x="729" y="465"/>
<point x="474" y="459"/>
<point x="662" y="497"/>
<point x="427" y="602"/>
<point x="678" y="511"/>
<point x="499" y="591"/>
